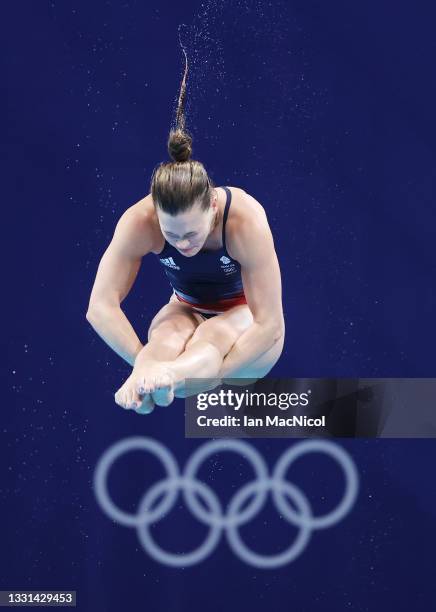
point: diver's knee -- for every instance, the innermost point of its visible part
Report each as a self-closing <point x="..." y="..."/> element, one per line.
<point x="219" y="335"/>
<point x="171" y="335"/>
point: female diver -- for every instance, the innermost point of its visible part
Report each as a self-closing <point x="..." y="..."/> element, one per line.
<point x="225" y="317"/>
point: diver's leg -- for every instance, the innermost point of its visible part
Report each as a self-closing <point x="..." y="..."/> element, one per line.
<point x="204" y="352"/>
<point x="168" y="333"/>
<point x="258" y="368"/>
<point x="243" y="376"/>
<point x="211" y="342"/>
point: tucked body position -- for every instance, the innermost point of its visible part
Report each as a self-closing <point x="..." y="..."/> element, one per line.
<point x="224" y="319"/>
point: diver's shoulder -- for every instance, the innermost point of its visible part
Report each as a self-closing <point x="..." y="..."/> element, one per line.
<point x="247" y="226"/>
<point x="141" y="212"/>
<point x="244" y="206"/>
<point x="139" y="223"/>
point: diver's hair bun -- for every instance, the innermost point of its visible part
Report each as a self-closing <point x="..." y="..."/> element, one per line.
<point x="179" y="145"/>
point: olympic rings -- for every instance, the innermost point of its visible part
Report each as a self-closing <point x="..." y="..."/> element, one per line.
<point x="270" y="561"/>
<point x="300" y="516"/>
<point x="249" y="453"/>
<point x="351" y="482"/>
<point x="188" y="558"/>
<point x="107" y="461"/>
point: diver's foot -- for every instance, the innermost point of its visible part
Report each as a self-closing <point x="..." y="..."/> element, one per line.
<point x="128" y="398"/>
<point x="146" y="404"/>
<point x="158" y="380"/>
<point x="164" y="394"/>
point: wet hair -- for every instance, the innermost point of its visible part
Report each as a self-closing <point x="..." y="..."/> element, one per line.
<point x="177" y="185"/>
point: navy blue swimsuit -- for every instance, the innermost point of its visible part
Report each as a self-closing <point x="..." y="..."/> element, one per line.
<point x="210" y="281"/>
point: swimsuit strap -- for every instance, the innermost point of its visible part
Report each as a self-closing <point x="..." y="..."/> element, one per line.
<point x="226" y="214"/>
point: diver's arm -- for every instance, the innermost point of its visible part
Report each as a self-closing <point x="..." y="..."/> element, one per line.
<point x="253" y="246"/>
<point x="115" y="276"/>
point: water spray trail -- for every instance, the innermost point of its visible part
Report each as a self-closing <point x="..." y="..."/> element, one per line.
<point x="180" y="116"/>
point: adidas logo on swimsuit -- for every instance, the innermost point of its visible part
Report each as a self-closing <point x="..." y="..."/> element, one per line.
<point x="169" y="261"/>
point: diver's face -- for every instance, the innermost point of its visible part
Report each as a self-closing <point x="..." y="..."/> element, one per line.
<point x="188" y="230"/>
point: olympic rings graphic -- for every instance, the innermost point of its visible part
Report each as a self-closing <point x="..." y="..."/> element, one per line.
<point x="211" y="513"/>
